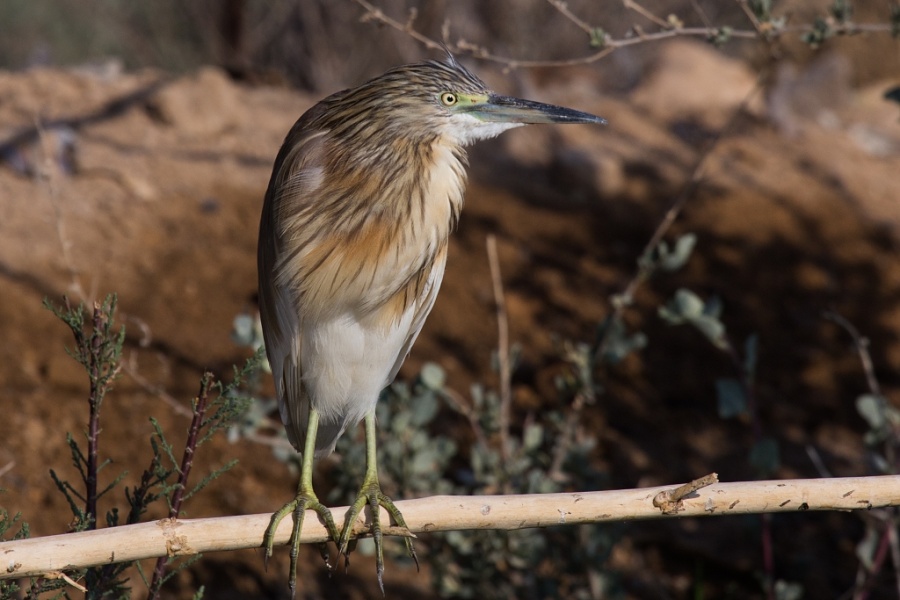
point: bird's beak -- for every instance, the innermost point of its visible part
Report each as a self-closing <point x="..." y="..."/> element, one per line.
<point x="504" y="109"/>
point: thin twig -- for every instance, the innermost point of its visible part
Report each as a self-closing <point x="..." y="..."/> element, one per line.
<point x="502" y="347"/>
<point x="67" y="579"/>
<point x="624" y="299"/>
<point x="864" y="584"/>
<point x="889" y="540"/>
<point x="458" y="404"/>
<point x="751" y="17"/>
<point x="130" y="367"/>
<point x="817" y="461"/>
<point x="697" y="173"/>
<point x="50" y="176"/>
<point x="567" y="437"/>
<point x="895" y="551"/>
<point x="375" y="14"/>
<point x="861" y="343"/>
<point x="702" y="14"/>
<point x="609" y="45"/>
<point x="672" y="501"/>
<point x="768" y="555"/>
<point x="632" y="5"/>
<point x="563" y="9"/>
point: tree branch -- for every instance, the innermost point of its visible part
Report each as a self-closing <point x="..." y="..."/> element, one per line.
<point x="172" y="537"/>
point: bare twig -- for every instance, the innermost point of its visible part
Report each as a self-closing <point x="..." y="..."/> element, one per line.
<point x="563" y="9"/>
<point x="66" y="578"/>
<point x="171" y="537"/>
<point x="564" y="443"/>
<point x="375" y="14"/>
<point x="671" y="501"/>
<point x="130" y="367"/>
<point x="502" y="347"/>
<point x="888" y="542"/>
<point x="701" y="13"/>
<point x="609" y="44"/>
<point x="632" y="5"/>
<point x="624" y="299"/>
<point x="864" y="575"/>
<point x="50" y="177"/>
<point x="465" y="409"/>
<point x="751" y="17"/>
<point x="861" y="343"/>
<point x="895" y="552"/>
<point x="817" y="461"/>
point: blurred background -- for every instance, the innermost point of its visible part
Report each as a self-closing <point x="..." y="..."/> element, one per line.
<point x="136" y="142"/>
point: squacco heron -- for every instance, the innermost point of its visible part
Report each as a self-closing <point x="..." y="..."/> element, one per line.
<point x="364" y="194"/>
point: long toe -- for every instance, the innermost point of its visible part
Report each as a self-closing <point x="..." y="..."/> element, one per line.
<point x="372" y="496"/>
<point x="297" y="507"/>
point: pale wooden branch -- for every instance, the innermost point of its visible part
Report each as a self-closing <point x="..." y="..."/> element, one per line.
<point x="171" y="537"/>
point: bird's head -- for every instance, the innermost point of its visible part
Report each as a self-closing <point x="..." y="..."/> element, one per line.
<point x="434" y="98"/>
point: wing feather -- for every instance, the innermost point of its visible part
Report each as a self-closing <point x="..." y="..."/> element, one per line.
<point x="295" y="177"/>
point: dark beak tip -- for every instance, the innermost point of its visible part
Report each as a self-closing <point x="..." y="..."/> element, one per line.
<point x="587" y="119"/>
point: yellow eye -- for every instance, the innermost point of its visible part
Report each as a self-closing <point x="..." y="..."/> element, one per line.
<point x="449" y="98"/>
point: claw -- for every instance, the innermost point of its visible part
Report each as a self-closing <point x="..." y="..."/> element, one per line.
<point x="370" y="495"/>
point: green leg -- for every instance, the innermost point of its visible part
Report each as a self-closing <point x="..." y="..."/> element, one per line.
<point x="305" y="500"/>
<point x="370" y="494"/>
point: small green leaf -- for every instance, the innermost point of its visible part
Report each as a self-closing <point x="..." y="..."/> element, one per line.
<point x="732" y="400"/>
<point x="866" y="548"/>
<point x="762" y="9"/>
<point x="424" y="408"/>
<point x="788" y="590"/>
<point x="713" y="329"/>
<point x="619" y="343"/>
<point x="882" y="465"/>
<point x="678" y="257"/>
<point x="598" y="38"/>
<point x="719" y="36"/>
<point x="423" y="462"/>
<point x="432" y="376"/>
<point x="821" y="31"/>
<point x="750" y="355"/>
<point x="764" y="457"/>
<point x="688" y="304"/>
<point x="242" y="330"/>
<point x="682" y="307"/>
<point x="533" y="437"/>
<point x="872" y="409"/>
<point x="400" y="421"/>
<point x="366" y="546"/>
<point x="841" y="10"/>
<point x="477" y="393"/>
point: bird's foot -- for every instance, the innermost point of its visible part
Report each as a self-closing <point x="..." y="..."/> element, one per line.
<point x="298" y="506"/>
<point x="370" y="494"/>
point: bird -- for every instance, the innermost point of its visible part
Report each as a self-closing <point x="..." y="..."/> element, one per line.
<point x="364" y="194"/>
